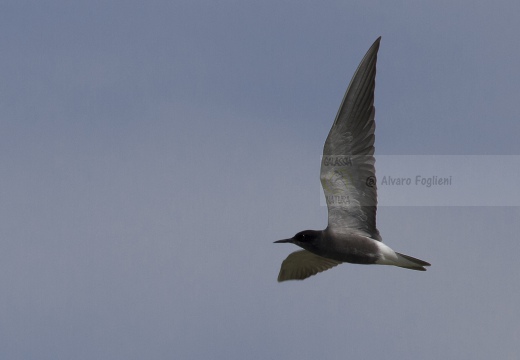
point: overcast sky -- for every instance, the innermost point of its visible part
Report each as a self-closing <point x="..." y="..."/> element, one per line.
<point x="152" y="151"/>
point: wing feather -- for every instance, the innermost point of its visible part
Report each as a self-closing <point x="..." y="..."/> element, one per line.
<point x="347" y="169"/>
<point x="301" y="264"/>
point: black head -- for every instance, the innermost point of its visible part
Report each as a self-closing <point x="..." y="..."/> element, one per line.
<point x="303" y="238"/>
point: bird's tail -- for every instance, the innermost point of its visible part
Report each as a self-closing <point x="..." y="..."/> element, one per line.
<point x="409" y="262"/>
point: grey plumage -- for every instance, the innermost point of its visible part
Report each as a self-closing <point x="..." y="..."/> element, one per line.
<point x="348" y="179"/>
<point x="301" y="264"/>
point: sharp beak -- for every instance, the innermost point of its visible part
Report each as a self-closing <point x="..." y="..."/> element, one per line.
<point x="283" y="241"/>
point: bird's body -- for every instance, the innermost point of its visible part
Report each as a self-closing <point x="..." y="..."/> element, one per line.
<point x="345" y="247"/>
<point x="348" y="181"/>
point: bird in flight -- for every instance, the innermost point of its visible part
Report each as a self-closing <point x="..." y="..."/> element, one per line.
<point x="348" y="179"/>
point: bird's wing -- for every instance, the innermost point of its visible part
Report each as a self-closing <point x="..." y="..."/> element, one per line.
<point x="347" y="167"/>
<point x="301" y="264"/>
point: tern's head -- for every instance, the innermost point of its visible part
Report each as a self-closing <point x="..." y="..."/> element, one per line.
<point x="305" y="239"/>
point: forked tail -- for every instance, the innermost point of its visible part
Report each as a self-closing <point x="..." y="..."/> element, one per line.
<point x="409" y="262"/>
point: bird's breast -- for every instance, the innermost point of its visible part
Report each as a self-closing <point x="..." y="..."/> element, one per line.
<point x="350" y="248"/>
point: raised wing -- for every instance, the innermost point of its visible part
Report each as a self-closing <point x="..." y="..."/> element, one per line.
<point x="347" y="167"/>
<point x="301" y="264"/>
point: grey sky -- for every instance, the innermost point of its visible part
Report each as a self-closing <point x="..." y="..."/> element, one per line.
<point x="152" y="151"/>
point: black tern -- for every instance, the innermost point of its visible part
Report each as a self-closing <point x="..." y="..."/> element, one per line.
<point x="348" y="179"/>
